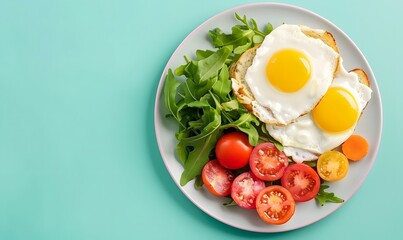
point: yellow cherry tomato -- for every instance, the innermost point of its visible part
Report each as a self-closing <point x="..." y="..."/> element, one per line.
<point x="332" y="166"/>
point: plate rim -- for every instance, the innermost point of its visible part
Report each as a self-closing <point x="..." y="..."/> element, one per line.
<point x="374" y="87"/>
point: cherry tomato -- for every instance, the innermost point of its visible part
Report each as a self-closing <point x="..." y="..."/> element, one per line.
<point x="332" y="166"/>
<point x="233" y="150"/>
<point x="217" y="179"/>
<point x="302" y="181"/>
<point x="275" y="205"/>
<point x="267" y="162"/>
<point x="245" y="189"/>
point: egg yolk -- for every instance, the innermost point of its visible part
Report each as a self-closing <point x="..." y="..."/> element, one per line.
<point x="337" y="111"/>
<point x="288" y="70"/>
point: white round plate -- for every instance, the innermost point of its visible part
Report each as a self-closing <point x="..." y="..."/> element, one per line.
<point x="370" y="125"/>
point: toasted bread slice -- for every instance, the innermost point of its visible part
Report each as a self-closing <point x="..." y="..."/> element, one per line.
<point x="237" y="73"/>
<point x="362" y="76"/>
<point x="239" y="68"/>
<point x="325" y="36"/>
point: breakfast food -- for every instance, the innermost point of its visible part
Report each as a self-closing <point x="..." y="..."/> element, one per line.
<point x="287" y="74"/>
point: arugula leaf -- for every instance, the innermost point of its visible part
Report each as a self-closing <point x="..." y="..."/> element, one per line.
<point x="264" y="136"/>
<point x="244" y="124"/>
<point x="249" y="129"/>
<point x="201" y="145"/>
<point x="179" y="71"/>
<point x="202" y="54"/>
<point x="205" y="86"/>
<point x="269" y="28"/>
<point x="242" y="37"/>
<point x="203" y="102"/>
<point x="198" y="157"/>
<point x="198" y="184"/>
<point x="222" y="87"/>
<point x="231" y="105"/>
<point x="311" y="163"/>
<point x="244" y="45"/>
<point x="257" y="39"/>
<point x="182" y="153"/>
<point x="170" y="89"/>
<point x="236" y="38"/>
<point x="252" y="25"/>
<point x="187" y="89"/>
<point x="322" y="197"/>
<point x="209" y="67"/>
<point x="230" y="203"/>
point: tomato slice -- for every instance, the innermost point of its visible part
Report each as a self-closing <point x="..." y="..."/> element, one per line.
<point x="217" y="179"/>
<point x="233" y="150"/>
<point x="275" y="205"/>
<point x="302" y="181"/>
<point x="245" y="189"/>
<point x="267" y="162"/>
<point x="332" y="166"/>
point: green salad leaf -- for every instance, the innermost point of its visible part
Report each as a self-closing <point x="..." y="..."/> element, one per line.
<point x="246" y="123"/>
<point x="312" y="163"/>
<point x="230" y="203"/>
<point x="170" y="95"/>
<point x="222" y="87"/>
<point x="198" y="96"/>
<point x="323" y="197"/>
<point x="200" y="145"/>
<point x="242" y="37"/>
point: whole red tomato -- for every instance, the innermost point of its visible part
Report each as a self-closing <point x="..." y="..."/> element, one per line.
<point x="233" y="150"/>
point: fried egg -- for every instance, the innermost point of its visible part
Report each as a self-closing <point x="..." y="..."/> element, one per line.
<point x="290" y="73"/>
<point x="330" y="123"/>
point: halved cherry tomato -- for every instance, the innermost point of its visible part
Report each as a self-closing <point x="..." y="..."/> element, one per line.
<point x="245" y="189"/>
<point x="275" y="205"/>
<point x="267" y="162"/>
<point x="302" y="181"/>
<point x="233" y="150"/>
<point x="332" y="166"/>
<point x="217" y="179"/>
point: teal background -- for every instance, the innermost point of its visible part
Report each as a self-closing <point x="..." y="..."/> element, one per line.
<point x="78" y="154"/>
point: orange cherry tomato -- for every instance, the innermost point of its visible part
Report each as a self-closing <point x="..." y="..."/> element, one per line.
<point x="275" y="205"/>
